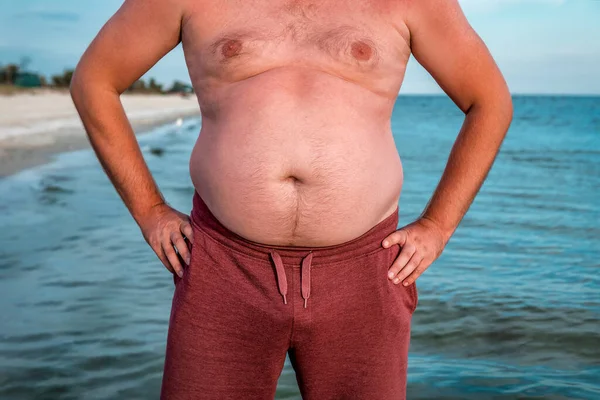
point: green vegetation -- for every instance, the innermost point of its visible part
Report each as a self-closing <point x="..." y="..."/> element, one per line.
<point x="152" y="86"/>
<point x="14" y="78"/>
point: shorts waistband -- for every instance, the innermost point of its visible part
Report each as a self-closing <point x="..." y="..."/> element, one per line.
<point x="368" y="242"/>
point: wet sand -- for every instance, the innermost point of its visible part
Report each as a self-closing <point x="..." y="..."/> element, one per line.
<point x="37" y="125"/>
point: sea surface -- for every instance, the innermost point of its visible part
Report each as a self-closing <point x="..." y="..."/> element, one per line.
<point x="511" y="309"/>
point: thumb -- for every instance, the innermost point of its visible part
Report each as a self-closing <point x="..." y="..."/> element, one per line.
<point x="186" y="229"/>
<point x="398" y="237"/>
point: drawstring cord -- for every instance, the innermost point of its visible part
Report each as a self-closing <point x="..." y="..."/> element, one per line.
<point x="280" y="272"/>
<point x="305" y="278"/>
<point x="304" y="275"/>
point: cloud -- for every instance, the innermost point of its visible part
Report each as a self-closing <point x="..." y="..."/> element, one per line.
<point x="59" y="16"/>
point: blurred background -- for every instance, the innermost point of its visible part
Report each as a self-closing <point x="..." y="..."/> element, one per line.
<point x="511" y="310"/>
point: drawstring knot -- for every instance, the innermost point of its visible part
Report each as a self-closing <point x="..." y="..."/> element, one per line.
<point x="304" y="275"/>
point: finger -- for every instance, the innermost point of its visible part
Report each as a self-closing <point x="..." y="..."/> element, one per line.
<point x="181" y="246"/>
<point x="172" y="257"/>
<point x="416" y="273"/>
<point x="405" y="254"/>
<point x="412" y="264"/>
<point x="400" y="237"/>
<point x="186" y="229"/>
<point x="163" y="258"/>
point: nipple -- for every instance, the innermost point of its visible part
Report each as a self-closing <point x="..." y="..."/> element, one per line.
<point x="361" y="51"/>
<point x="231" y="48"/>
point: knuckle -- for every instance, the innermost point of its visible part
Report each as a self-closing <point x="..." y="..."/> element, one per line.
<point x="403" y="260"/>
<point x="410" y="267"/>
<point x="399" y="263"/>
<point x="155" y="242"/>
<point x="404" y="250"/>
<point x="156" y="246"/>
<point x="414" y="274"/>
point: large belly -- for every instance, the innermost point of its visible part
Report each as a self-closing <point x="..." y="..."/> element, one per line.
<point x="305" y="160"/>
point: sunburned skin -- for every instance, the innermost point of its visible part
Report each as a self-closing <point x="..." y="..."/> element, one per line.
<point x="295" y="149"/>
<point x="296" y="98"/>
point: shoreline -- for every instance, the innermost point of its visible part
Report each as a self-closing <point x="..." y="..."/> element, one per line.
<point x="28" y="144"/>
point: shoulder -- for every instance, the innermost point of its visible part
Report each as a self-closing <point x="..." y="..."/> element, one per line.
<point x="441" y="13"/>
<point x="166" y="8"/>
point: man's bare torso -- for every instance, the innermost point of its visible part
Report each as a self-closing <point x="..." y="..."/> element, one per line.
<point x="296" y="98"/>
<point x="296" y="146"/>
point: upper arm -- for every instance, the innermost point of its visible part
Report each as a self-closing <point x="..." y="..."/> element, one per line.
<point x="445" y="44"/>
<point x="139" y="34"/>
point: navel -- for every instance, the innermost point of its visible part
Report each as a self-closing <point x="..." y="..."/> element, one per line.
<point x="231" y="48"/>
<point x="293" y="179"/>
<point x="361" y="51"/>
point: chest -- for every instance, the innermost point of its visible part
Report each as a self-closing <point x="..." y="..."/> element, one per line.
<point x="233" y="37"/>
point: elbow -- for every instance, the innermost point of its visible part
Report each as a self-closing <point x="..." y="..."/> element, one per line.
<point x="76" y="85"/>
<point x="506" y="102"/>
<point x="87" y="82"/>
<point x="73" y="86"/>
<point x="506" y="105"/>
<point x="498" y="103"/>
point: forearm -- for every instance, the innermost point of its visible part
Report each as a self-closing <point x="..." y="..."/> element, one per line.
<point x="114" y="142"/>
<point x="469" y="163"/>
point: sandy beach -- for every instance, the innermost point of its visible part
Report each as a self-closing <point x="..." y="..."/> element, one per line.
<point x="35" y="126"/>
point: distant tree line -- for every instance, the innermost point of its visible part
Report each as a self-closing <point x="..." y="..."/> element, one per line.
<point x="154" y="87"/>
<point x="17" y="75"/>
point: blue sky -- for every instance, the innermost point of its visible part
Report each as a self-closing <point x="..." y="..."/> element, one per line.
<point x="541" y="46"/>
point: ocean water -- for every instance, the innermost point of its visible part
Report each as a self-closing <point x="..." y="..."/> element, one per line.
<point x="511" y="309"/>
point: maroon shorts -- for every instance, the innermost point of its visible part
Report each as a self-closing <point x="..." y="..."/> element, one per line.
<point x="242" y="306"/>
